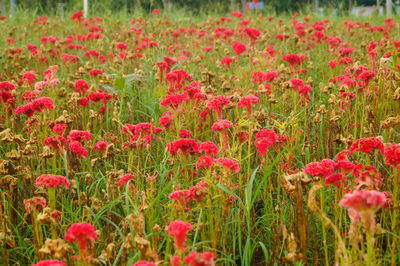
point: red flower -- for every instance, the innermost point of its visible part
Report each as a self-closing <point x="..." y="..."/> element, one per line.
<point x="125" y="178"/>
<point x="79" y="135"/>
<point x="101" y="146"/>
<point x="144" y="263"/>
<point x="392" y="155"/>
<point x="221" y="125"/>
<point x="226" y="61"/>
<point x="252" y="33"/>
<point x="364" y="200"/>
<point x="184" y="146"/>
<point x="49" y="181"/>
<point x="50" y="263"/>
<point x="82" y="234"/>
<point x="367" y="145"/>
<point x="59" y="128"/>
<point x="178" y="230"/>
<point x="185" y="133"/>
<point x="200" y="259"/>
<point x="77" y="148"/>
<point x="238" y="47"/>
<point x="216" y="103"/>
<point x="173" y="100"/>
<point x="293" y="59"/>
<point x="209" y="148"/>
<point x="323" y="168"/>
<point x="205" y="162"/>
<point x="247" y="102"/>
<point x="55" y="142"/>
<point x="228" y="164"/>
<point x="81" y="86"/>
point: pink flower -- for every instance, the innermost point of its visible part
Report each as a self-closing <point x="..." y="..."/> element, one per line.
<point x="392" y="155"/>
<point x="81" y="86"/>
<point x="125" y="178"/>
<point x="101" y="146"/>
<point x="238" y="47"/>
<point x="228" y="164"/>
<point x="178" y="230"/>
<point x="367" y="145"/>
<point x="200" y="259"/>
<point x="144" y="263"/>
<point x="77" y="148"/>
<point x="50" y="263"/>
<point x="49" y="180"/>
<point x="364" y="200"/>
<point x="81" y="233"/>
<point x="221" y="125"/>
<point x="323" y="168"/>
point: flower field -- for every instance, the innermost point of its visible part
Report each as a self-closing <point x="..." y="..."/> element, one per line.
<point x="164" y="140"/>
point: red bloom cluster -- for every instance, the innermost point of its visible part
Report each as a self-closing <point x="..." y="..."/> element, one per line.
<point x="364" y="200"/>
<point x="200" y="259"/>
<point x="37" y="105"/>
<point x="367" y="145"/>
<point x="82" y="234"/>
<point x="49" y="181"/>
<point x="125" y="178"/>
<point x="265" y="138"/>
<point x="178" y="230"/>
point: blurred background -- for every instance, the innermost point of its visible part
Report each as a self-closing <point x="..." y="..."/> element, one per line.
<point x="335" y="7"/>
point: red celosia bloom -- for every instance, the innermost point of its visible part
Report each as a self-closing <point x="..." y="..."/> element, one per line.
<point x="263" y="144"/>
<point x="77" y="148"/>
<point x="166" y="119"/>
<point x="6" y="86"/>
<point x="121" y="46"/>
<point x="35" y="203"/>
<point x="81" y="86"/>
<point x="323" y="168"/>
<point x="221" y="125"/>
<point x="101" y="146"/>
<point x="59" y="128"/>
<point x="367" y="177"/>
<point x="364" y="200"/>
<point x="226" y="61"/>
<point x="367" y="145"/>
<point x="55" y="142"/>
<point x="79" y="135"/>
<point x="217" y="103"/>
<point x="29" y="77"/>
<point x="237" y="14"/>
<point x="156" y="11"/>
<point x="125" y="178"/>
<point x="50" y="263"/>
<point x="392" y="155"/>
<point x="95" y="72"/>
<point x="335" y="180"/>
<point x="293" y="59"/>
<point x="185" y="133"/>
<point x="267" y="133"/>
<point x="209" y="148"/>
<point x="228" y="164"/>
<point x="49" y="181"/>
<point x="77" y="16"/>
<point x="144" y="263"/>
<point x="205" y="162"/>
<point x="82" y="234"/>
<point x="178" y="230"/>
<point x="200" y="259"/>
<point x="36" y="105"/>
<point x="175" y="261"/>
<point x="84" y="101"/>
<point x="238" y="47"/>
<point x="99" y="96"/>
<point x="247" y="102"/>
<point x="173" y="100"/>
<point x="252" y="33"/>
<point x="181" y="197"/>
<point x="270" y="76"/>
<point x="184" y="146"/>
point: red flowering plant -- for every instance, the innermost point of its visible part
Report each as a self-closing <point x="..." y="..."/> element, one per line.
<point x="84" y="235"/>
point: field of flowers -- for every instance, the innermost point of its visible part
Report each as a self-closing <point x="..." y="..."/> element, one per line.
<point x="237" y="140"/>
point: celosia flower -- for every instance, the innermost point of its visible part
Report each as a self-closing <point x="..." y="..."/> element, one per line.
<point x="55" y="142"/>
<point x="392" y="155"/>
<point x="205" y="162"/>
<point x="77" y="148"/>
<point x="226" y="61"/>
<point x="217" y="103"/>
<point x="185" y="133"/>
<point x="323" y="168"/>
<point x="49" y="180"/>
<point x="82" y="234"/>
<point x="238" y="47"/>
<point x="144" y="263"/>
<point x="59" y="128"/>
<point x="228" y="164"/>
<point x="81" y="86"/>
<point x="221" y="125"/>
<point x="101" y="145"/>
<point x="200" y="259"/>
<point x="247" y="102"/>
<point x="50" y="263"/>
<point x="209" y="148"/>
<point x="184" y="146"/>
<point x="364" y="200"/>
<point x="79" y="135"/>
<point x="125" y="178"/>
<point x="293" y="59"/>
<point x="178" y="230"/>
<point x="367" y="145"/>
